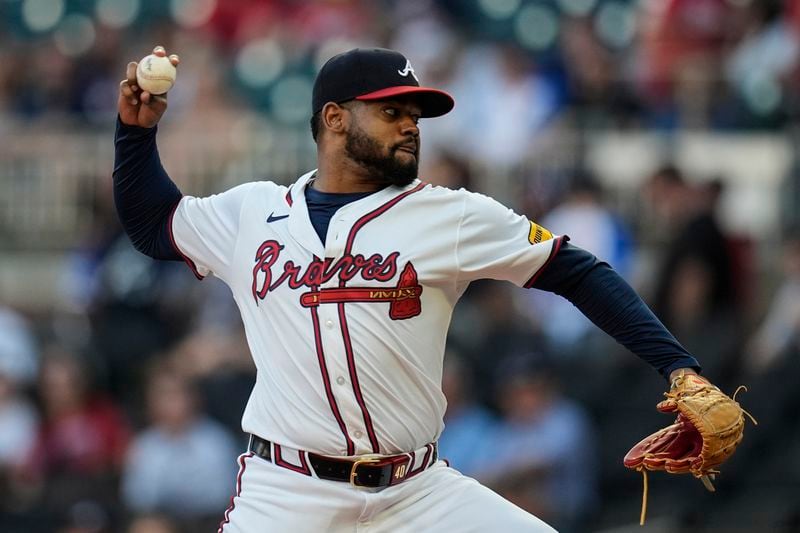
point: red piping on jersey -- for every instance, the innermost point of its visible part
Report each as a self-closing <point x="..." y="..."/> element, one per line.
<point x="348" y="345"/>
<point x="185" y="258"/>
<point x="374" y="214"/>
<point x="227" y="516"/>
<point x="289" y="197"/>
<point x="553" y="251"/>
<point x="303" y="468"/>
<point x="351" y="366"/>
<point x="326" y="380"/>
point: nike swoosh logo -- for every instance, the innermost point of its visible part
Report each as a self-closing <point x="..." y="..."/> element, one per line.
<point x="272" y="218"/>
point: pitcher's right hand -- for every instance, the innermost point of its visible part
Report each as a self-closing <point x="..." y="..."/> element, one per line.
<point x="137" y="107"/>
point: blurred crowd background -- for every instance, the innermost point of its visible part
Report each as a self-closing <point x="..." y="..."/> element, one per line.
<point x="659" y="134"/>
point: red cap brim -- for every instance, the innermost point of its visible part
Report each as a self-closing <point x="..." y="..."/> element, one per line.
<point x="433" y="102"/>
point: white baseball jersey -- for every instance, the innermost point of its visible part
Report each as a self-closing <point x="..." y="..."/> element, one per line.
<point x="348" y="336"/>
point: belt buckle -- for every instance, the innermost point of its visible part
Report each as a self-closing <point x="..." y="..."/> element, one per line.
<point x="365" y="459"/>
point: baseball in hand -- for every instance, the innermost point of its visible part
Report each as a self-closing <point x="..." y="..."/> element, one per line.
<point x="156" y="74"/>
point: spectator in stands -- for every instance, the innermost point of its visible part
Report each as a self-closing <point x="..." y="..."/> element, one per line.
<point x="177" y="463"/>
<point x="134" y="311"/>
<point x="681" y="51"/>
<point x="446" y="169"/>
<point x="18" y="423"/>
<point x="593" y="227"/>
<point x="19" y="355"/>
<point x="466" y="422"/>
<point x="488" y="74"/>
<point x="538" y="458"/>
<point x="219" y="363"/>
<point x="764" y="58"/>
<point x="771" y="373"/>
<point x="778" y="335"/>
<point x="18" y="417"/>
<point x="81" y="441"/>
<point x="488" y="328"/>
<point x="695" y="295"/>
<point x="595" y="86"/>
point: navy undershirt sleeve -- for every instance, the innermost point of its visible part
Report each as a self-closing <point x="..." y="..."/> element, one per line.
<point x="143" y="192"/>
<point x="323" y="205"/>
<point x="608" y="301"/>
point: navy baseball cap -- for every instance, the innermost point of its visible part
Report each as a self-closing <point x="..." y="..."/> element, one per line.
<point x="375" y="74"/>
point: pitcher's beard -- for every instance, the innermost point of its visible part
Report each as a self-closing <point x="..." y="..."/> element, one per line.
<point x="383" y="169"/>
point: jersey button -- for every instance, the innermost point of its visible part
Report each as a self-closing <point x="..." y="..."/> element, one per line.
<point x="329" y="324"/>
<point x="358" y="434"/>
<point x="340" y="380"/>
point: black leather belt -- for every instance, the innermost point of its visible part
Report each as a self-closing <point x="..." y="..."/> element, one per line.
<point x="367" y="471"/>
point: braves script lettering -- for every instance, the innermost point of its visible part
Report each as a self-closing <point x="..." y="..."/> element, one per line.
<point x="319" y="271"/>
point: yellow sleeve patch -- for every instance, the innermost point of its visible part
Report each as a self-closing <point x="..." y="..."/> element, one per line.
<point x="538" y="234"/>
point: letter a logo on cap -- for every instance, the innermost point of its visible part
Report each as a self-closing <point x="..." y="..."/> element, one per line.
<point x="408" y="70"/>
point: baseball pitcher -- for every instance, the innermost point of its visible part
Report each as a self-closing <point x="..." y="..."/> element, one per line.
<point x="346" y="281"/>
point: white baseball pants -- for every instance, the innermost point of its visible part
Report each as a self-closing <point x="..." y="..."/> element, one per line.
<point x="440" y="499"/>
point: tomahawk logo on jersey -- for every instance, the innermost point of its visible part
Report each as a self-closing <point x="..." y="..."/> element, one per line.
<point x="377" y="298"/>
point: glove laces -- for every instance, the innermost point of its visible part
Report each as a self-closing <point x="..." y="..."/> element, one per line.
<point x="705" y="478"/>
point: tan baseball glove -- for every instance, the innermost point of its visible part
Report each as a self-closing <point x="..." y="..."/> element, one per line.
<point x="705" y="434"/>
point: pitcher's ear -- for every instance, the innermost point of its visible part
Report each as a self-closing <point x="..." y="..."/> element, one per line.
<point x="335" y="117"/>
